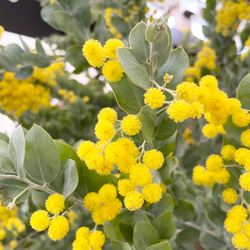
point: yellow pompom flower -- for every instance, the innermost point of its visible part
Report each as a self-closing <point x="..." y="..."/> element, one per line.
<point x="93" y="52"/>
<point x="84" y="148"/>
<point x="198" y="175"/>
<point x="96" y="239"/>
<point x="241" y="118"/>
<point x="107" y="193"/>
<point x="222" y="176"/>
<point x="187" y="91"/>
<point x="81" y="244"/>
<point x="210" y="130"/>
<point x="55" y="203"/>
<point x="108" y="114"/>
<point x="229" y="195"/>
<point x="131" y="124"/>
<point x="140" y="174"/>
<point x="40" y="220"/>
<point x="3" y="234"/>
<point x="196" y="110"/>
<point x="179" y="110"/>
<point x="91" y="201"/>
<point x="112" y="71"/>
<point x="242" y="157"/>
<point x="246" y="227"/>
<point x="227" y="152"/>
<point x="125" y="186"/>
<point x="110" y="47"/>
<point x="245" y="138"/>
<point x="154" y="98"/>
<point x="104" y="130"/>
<point x="237" y="212"/>
<point x="209" y="82"/>
<point x="240" y="241"/>
<point x="133" y="200"/>
<point x="245" y="181"/>
<point x="82" y="232"/>
<point x="214" y="163"/>
<point x="152" y="193"/>
<point x="58" y="228"/>
<point x="232" y="225"/>
<point x="153" y="159"/>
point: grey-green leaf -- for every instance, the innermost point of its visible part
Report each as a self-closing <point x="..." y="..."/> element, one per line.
<point x="17" y="150"/>
<point x="137" y="72"/>
<point x="160" y="246"/>
<point x="41" y="161"/>
<point x="144" y="235"/>
<point x="38" y="60"/>
<point x="5" y="162"/>
<point x="243" y="92"/>
<point x="147" y="117"/>
<point x="138" y="42"/>
<point x="70" y="178"/>
<point x="129" y="96"/>
<point x="24" y="72"/>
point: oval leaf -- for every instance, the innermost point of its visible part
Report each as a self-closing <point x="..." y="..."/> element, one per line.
<point x="5" y="161"/>
<point x="17" y="150"/>
<point x="38" y="60"/>
<point x="160" y="246"/>
<point x="144" y="235"/>
<point x="70" y="178"/>
<point x="41" y="161"/>
<point x="128" y="96"/>
<point x="243" y="92"/>
<point x="138" y="42"/>
<point x="137" y="72"/>
<point x="24" y="72"/>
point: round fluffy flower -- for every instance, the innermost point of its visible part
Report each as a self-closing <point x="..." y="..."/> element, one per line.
<point x="245" y="181"/>
<point x="179" y="110"/>
<point x="237" y="212"/>
<point x="108" y="114"/>
<point x="222" y="176"/>
<point x="104" y="130"/>
<point x="58" y="228"/>
<point x="152" y="192"/>
<point x="107" y="193"/>
<point x="153" y="159"/>
<point x="84" y="148"/>
<point x="242" y="157"/>
<point x="198" y="175"/>
<point x="91" y="201"/>
<point x="96" y="239"/>
<point x="93" y="52"/>
<point x="81" y="244"/>
<point x="240" y="241"/>
<point x="214" y="163"/>
<point x="246" y="227"/>
<point x="131" y="124"/>
<point x="40" y="220"/>
<point x="154" y="98"/>
<point x="140" y="175"/>
<point x="209" y="82"/>
<point x="227" y="152"/>
<point x="210" y="130"/>
<point x="82" y="232"/>
<point x="229" y="195"/>
<point x="125" y="186"/>
<point x="196" y="110"/>
<point x="133" y="200"/>
<point x="55" y="203"/>
<point x="245" y="138"/>
<point x="187" y="91"/>
<point x="232" y="225"/>
<point x="112" y="71"/>
<point x="110" y="47"/>
<point x="241" y="118"/>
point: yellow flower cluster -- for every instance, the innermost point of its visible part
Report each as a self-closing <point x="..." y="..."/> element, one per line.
<point x="103" y="155"/>
<point x="58" y="225"/>
<point x="194" y="101"/>
<point x="104" y="204"/>
<point x="237" y="223"/>
<point x="1" y="31"/>
<point x="213" y="172"/>
<point x="96" y="56"/>
<point x="230" y="15"/>
<point x="229" y="195"/>
<point x="18" y="96"/>
<point x="88" y="240"/>
<point x="9" y="224"/>
<point x="205" y="58"/>
<point x="67" y="95"/>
